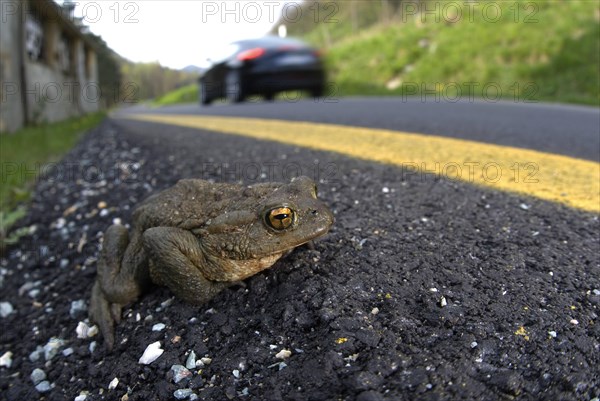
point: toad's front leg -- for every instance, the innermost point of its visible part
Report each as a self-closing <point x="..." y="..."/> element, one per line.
<point x="176" y="261"/>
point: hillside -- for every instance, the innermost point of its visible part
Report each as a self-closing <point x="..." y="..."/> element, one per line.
<point x="518" y="50"/>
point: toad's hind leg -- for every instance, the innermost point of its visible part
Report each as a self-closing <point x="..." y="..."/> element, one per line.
<point x="176" y="258"/>
<point x="120" y="279"/>
<point x="122" y="267"/>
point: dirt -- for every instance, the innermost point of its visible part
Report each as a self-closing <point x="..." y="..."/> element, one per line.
<point x="425" y="288"/>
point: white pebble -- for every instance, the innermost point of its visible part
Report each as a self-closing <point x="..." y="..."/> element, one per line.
<point x="116" y="221"/>
<point x="158" y="327"/>
<point x="77" y="307"/>
<point x="85" y="331"/>
<point x="385" y="190"/>
<point x="43" y="387"/>
<point x="596" y="291"/>
<point x="433" y="289"/>
<point x="182" y="393"/>
<point x="552" y="334"/>
<point x="374" y="311"/>
<point x="283" y="354"/>
<point x="236" y="373"/>
<point x="113" y="384"/>
<point x="51" y="348"/>
<point x="81" y="397"/>
<point x="6" y="359"/>
<point x="443" y="302"/>
<point x="474" y="344"/>
<point x="37" y="376"/>
<point x="190" y="362"/>
<point x="151" y="354"/>
<point x="6" y="309"/>
<point x="272" y="346"/>
<point x="205" y="361"/>
<point x="68" y="351"/>
<point x="92" y="347"/>
<point x="574" y="321"/>
<point x="104" y="212"/>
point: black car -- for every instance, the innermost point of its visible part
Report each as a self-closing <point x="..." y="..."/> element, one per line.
<point x="264" y="67"/>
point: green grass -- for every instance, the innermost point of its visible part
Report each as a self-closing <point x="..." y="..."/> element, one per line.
<point x="185" y="94"/>
<point x="551" y="56"/>
<point x="25" y="152"/>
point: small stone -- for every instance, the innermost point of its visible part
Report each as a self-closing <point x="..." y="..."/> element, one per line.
<point x="117" y="221"/>
<point x="180" y="372"/>
<point x="92" y="347"/>
<point x="182" y="393"/>
<point x="596" y="292"/>
<point x="80" y="397"/>
<point x="158" y="327"/>
<point x="101" y="205"/>
<point x="474" y="344"/>
<point x="37" y="376"/>
<point x="64" y="263"/>
<point x="443" y="302"/>
<point x="374" y="311"/>
<point x="104" y="213"/>
<point x="574" y="321"/>
<point x="151" y="353"/>
<point x="6" y="359"/>
<point x="524" y="206"/>
<point x="385" y="190"/>
<point x="68" y="351"/>
<point x="206" y="361"/>
<point x="113" y="384"/>
<point x="35" y="355"/>
<point x="84" y="331"/>
<point x="190" y="362"/>
<point x="51" y="348"/>
<point x="6" y="309"/>
<point x="77" y="307"/>
<point x="194" y="397"/>
<point x="283" y="354"/>
<point x="552" y="333"/>
<point x="236" y="373"/>
<point x="43" y="387"/>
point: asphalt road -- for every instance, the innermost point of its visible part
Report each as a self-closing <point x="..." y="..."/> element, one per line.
<point x="561" y="129"/>
<point x="425" y="288"/>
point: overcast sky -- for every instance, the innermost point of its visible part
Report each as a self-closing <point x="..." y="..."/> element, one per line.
<point x="178" y="33"/>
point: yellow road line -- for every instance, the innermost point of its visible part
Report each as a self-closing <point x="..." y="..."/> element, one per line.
<point x="570" y="181"/>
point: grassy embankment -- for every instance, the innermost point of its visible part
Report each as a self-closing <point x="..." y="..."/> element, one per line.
<point x="528" y="51"/>
<point x="23" y="155"/>
<point x="524" y="51"/>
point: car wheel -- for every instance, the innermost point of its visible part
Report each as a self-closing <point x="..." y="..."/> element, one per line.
<point x="234" y="87"/>
<point x="204" y="99"/>
<point x="317" y="92"/>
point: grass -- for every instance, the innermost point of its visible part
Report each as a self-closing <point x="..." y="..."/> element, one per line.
<point x="24" y="155"/>
<point x="548" y="53"/>
<point x="25" y="152"/>
<point x="185" y="94"/>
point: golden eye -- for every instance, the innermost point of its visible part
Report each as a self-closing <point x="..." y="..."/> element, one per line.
<point x="280" y="218"/>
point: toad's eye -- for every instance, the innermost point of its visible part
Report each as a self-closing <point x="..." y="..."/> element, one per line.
<point x="280" y="218"/>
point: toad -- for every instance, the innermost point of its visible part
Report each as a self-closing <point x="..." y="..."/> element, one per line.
<point x="197" y="238"/>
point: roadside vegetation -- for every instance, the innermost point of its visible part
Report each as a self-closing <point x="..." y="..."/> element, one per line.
<point x="517" y="50"/>
<point x="24" y="155"/>
<point x="185" y="94"/>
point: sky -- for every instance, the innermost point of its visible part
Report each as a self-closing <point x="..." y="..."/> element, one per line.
<point x="178" y="33"/>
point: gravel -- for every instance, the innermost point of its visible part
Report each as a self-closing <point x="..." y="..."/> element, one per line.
<point x="358" y="306"/>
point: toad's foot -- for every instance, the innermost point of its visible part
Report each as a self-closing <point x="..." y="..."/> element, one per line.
<point x="105" y="314"/>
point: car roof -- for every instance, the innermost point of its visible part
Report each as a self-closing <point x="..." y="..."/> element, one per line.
<point x="269" y="41"/>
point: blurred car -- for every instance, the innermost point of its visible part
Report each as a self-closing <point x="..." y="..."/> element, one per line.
<point x="264" y="67"/>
